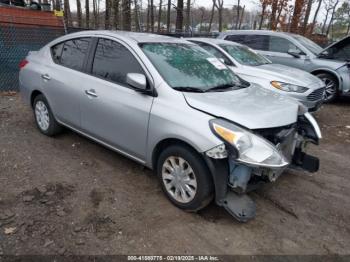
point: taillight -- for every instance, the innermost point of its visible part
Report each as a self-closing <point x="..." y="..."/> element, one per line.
<point x="22" y="64"/>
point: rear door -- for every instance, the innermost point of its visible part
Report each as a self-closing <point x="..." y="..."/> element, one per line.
<point x="277" y="51"/>
<point x="112" y="111"/>
<point x="63" y="78"/>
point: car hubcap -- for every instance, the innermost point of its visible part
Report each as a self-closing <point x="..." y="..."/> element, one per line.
<point x="42" y="115"/>
<point x="331" y="88"/>
<point x="179" y="179"/>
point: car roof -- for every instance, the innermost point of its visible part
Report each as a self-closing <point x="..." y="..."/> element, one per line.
<point x="212" y="40"/>
<point x="130" y="36"/>
<point x="257" y="32"/>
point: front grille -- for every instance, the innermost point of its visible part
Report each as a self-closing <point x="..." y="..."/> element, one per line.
<point x="318" y="94"/>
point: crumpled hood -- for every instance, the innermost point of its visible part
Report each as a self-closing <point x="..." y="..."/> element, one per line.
<point x="285" y="74"/>
<point x="253" y="107"/>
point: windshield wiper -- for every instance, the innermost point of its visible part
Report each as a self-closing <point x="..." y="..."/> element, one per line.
<point x="188" y="89"/>
<point x="221" y="87"/>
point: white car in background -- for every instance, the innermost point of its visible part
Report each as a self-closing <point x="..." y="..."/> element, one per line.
<point x="255" y="68"/>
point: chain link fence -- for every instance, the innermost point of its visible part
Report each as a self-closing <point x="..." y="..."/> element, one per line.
<point x="16" y="40"/>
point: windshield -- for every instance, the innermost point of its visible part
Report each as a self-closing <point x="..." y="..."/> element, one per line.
<point x="308" y="44"/>
<point x="188" y="67"/>
<point x="244" y="55"/>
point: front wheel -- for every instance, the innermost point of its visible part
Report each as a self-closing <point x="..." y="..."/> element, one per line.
<point x="331" y="83"/>
<point x="185" y="178"/>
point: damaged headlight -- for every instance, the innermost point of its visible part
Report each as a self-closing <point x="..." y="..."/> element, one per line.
<point x="249" y="148"/>
<point x="288" y="87"/>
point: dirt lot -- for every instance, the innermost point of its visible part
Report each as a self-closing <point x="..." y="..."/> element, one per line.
<point x="68" y="195"/>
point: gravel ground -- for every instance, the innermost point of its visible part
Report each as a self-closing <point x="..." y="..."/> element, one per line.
<point x="68" y="195"/>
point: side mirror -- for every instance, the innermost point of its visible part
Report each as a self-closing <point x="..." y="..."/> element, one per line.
<point x="138" y="81"/>
<point x="294" y="52"/>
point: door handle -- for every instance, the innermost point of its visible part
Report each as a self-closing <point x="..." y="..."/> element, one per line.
<point x="46" y="77"/>
<point x="91" y="92"/>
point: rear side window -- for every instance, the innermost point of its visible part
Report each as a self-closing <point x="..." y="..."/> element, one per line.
<point x="279" y="44"/>
<point x="236" y="38"/>
<point x="258" y="42"/>
<point x="56" y="52"/>
<point x="73" y="53"/>
<point x="113" y="61"/>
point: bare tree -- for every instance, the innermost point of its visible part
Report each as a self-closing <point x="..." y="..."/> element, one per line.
<point x="306" y="17"/>
<point x="212" y="15"/>
<point x="179" y="15"/>
<point x="202" y="11"/>
<point x="220" y="5"/>
<point x="95" y="12"/>
<point x="315" y="16"/>
<point x="152" y="15"/>
<point x="107" y="14"/>
<point x="126" y="22"/>
<point x="79" y="15"/>
<point x="273" y="21"/>
<point x="148" y="15"/>
<point x="159" y="15"/>
<point x="328" y="7"/>
<point x="87" y="14"/>
<point x="168" y="16"/>
<point x="264" y="5"/>
<point x="137" y="15"/>
<point x="188" y="15"/>
<point x="67" y="13"/>
<point x="298" y="8"/>
<point x="332" y="17"/>
<point x="241" y="19"/>
<point x="237" y="18"/>
<point x="116" y="14"/>
<point x="282" y="5"/>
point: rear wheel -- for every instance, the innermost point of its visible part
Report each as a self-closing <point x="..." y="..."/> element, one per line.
<point x="44" y="118"/>
<point x="331" y="83"/>
<point x="185" y="178"/>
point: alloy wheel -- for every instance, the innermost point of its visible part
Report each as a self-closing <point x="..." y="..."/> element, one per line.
<point x="331" y="88"/>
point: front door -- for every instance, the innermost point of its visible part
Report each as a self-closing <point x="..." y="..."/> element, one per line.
<point x="112" y="111"/>
<point x="277" y="52"/>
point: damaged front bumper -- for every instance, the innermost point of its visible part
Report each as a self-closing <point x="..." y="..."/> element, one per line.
<point x="233" y="178"/>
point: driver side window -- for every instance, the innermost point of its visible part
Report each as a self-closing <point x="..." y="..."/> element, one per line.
<point x="282" y="45"/>
<point x="113" y="62"/>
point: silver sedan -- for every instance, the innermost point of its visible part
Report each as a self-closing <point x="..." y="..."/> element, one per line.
<point x="252" y="67"/>
<point x="173" y="107"/>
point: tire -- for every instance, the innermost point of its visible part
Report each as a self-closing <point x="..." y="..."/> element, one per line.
<point x="199" y="180"/>
<point x="44" y="119"/>
<point x="332" y="87"/>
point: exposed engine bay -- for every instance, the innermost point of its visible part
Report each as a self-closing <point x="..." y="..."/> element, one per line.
<point x="291" y="141"/>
